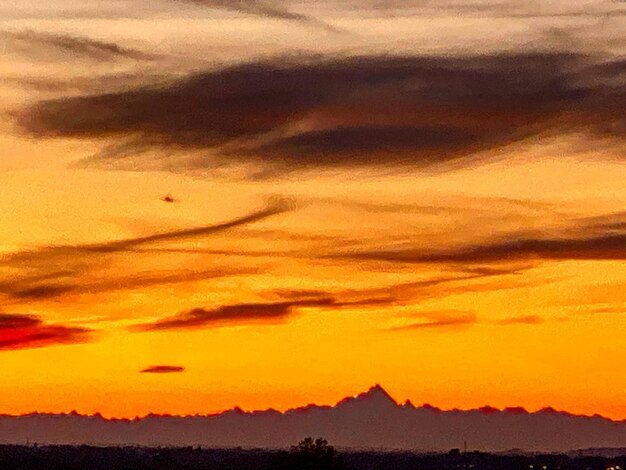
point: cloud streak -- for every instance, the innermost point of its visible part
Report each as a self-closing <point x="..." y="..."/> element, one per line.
<point x="438" y="320"/>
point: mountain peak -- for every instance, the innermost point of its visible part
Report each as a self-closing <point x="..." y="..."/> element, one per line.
<point x="408" y="405"/>
<point x="375" y="396"/>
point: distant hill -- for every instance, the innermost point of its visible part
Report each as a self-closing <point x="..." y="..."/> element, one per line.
<point x="370" y="420"/>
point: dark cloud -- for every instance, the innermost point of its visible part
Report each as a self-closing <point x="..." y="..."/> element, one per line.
<point x="28" y="331"/>
<point x="293" y="113"/>
<point x="418" y="146"/>
<point x="14" y="321"/>
<point x="163" y="370"/>
<point x="47" y="46"/>
<point x="262" y="312"/>
<point x="59" y="270"/>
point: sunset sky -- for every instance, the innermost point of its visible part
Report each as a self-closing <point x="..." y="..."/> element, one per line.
<point x="216" y="203"/>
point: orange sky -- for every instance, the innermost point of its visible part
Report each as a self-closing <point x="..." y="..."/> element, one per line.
<point x="486" y="267"/>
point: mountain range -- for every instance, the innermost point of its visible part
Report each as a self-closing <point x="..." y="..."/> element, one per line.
<point x="370" y="420"/>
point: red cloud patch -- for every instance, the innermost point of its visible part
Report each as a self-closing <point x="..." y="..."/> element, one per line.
<point x="28" y="331"/>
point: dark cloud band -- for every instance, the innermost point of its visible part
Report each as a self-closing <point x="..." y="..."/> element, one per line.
<point x="404" y="111"/>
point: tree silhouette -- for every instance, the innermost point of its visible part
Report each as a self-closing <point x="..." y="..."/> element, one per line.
<point x="318" y="447"/>
<point x="310" y="454"/>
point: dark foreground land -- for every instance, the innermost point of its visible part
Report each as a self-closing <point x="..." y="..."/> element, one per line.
<point x="137" y="458"/>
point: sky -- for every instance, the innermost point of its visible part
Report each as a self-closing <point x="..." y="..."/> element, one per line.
<point x="207" y="204"/>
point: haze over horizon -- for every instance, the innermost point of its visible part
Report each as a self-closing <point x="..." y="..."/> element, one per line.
<point x="208" y="204"/>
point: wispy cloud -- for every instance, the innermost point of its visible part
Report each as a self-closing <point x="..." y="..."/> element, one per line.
<point x="55" y="271"/>
<point x="267" y="8"/>
<point x="28" y="331"/>
<point x="47" y="46"/>
<point x="439" y="319"/>
<point x="520" y="320"/>
<point x="459" y="318"/>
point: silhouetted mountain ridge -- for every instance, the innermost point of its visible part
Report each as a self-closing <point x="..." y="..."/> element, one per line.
<point x="369" y="420"/>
